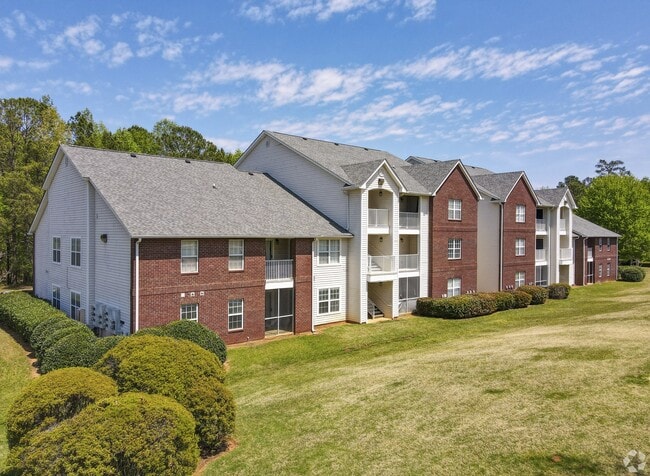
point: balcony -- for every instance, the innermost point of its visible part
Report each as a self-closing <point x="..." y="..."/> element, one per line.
<point x="590" y="254"/>
<point x="378" y="220"/>
<point x="408" y="262"/>
<point x="540" y="225"/>
<point x="381" y="264"/>
<point x="566" y="255"/>
<point x="540" y="255"/>
<point x="279" y="270"/>
<point x="562" y="226"/>
<point x="409" y="221"/>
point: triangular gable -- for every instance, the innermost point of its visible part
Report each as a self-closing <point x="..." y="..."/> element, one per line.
<point x="384" y="165"/>
<point x="531" y="190"/>
<point x="54" y="166"/>
<point x="465" y="174"/>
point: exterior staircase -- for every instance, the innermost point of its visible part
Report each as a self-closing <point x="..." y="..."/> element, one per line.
<point x="373" y="310"/>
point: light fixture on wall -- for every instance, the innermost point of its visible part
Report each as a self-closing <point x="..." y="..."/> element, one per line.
<point x="380" y="182"/>
<point x="381" y="193"/>
<point x="103" y="237"/>
<point x="381" y="239"/>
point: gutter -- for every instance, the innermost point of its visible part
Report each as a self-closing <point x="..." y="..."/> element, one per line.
<point x="137" y="285"/>
<point x="501" y="246"/>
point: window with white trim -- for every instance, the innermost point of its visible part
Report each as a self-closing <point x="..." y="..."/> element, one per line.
<point x="329" y="251"/>
<point x="609" y="269"/>
<point x="520" y="247"/>
<point x="453" y="287"/>
<point x="189" y="256"/>
<point x="609" y="245"/>
<point x="235" y="255"/>
<point x="75" y="304"/>
<point x="190" y="312"/>
<point x="454" y="209"/>
<point x="56" y="249"/>
<point x="75" y="252"/>
<point x="235" y="314"/>
<point x="56" y="297"/>
<point x="520" y="278"/>
<point x="600" y="270"/>
<point x="454" y="248"/>
<point x="600" y="244"/>
<point x="520" y="214"/>
<point x="329" y="300"/>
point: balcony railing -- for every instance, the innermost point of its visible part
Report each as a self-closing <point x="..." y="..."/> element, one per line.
<point x="566" y="254"/>
<point x="279" y="269"/>
<point x="590" y="254"/>
<point x="409" y="220"/>
<point x="377" y="217"/>
<point x="540" y="224"/>
<point x="562" y="225"/>
<point x="381" y="264"/>
<point x="540" y="255"/>
<point x="408" y="262"/>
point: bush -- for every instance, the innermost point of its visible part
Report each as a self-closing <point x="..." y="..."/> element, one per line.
<point x="51" y="330"/>
<point x="213" y="407"/>
<point x="171" y="367"/>
<point x="522" y="299"/>
<point x="457" y="307"/>
<point x="538" y="294"/>
<point x="194" y="332"/>
<point x="559" y="291"/>
<point x="634" y="274"/>
<point x="21" y="313"/>
<point x="503" y="300"/>
<point x="132" y="434"/>
<point x="55" y="397"/>
<point x="77" y="350"/>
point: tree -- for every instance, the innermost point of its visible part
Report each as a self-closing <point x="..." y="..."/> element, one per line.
<point x="613" y="167"/>
<point x="84" y="131"/>
<point x="575" y="185"/>
<point x="183" y="141"/>
<point x="620" y="203"/>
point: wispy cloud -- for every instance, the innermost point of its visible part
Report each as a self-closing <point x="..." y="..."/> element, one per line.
<point x="81" y="37"/>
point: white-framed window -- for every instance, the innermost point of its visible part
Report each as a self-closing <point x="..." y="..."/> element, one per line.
<point x="329" y="300"/>
<point x="189" y="256"/>
<point x="520" y="247"/>
<point x="609" y="246"/>
<point x="235" y="314"/>
<point x="75" y="303"/>
<point x="454" y="209"/>
<point x="454" y="248"/>
<point x="56" y="296"/>
<point x="235" y="255"/>
<point x="600" y="270"/>
<point x="190" y="312"/>
<point x="75" y="252"/>
<point x="520" y="214"/>
<point x="56" y="249"/>
<point x="520" y="278"/>
<point x="453" y="287"/>
<point x="600" y="244"/>
<point x="329" y="251"/>
<point x="609" y="269"/>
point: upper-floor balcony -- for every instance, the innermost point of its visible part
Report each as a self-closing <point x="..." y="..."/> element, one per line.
<point x="378" y="222"/>
<point x="382" y="268"/>
<point x="409" y="222"/>
<point x="409" y="262"/>
<point x="562" y="225"/>
<point x="590" y="254"/>
<point x="566" y="255"/>
<point x="540" y="255"/>
<point x="540" y="226"/>
<point x="279" y="270"/>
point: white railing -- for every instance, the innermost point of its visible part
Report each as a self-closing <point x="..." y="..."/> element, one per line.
<point x="409" y="220"/>
<point x="278" y="269"/>
<point x="408" y="262"/>
<point x="377" y="217"/>
<point x="566" y="254"/>
<point x="540" y="224"/>
<point x="381" y="264"/>
<point x="540" y="255"/>
<point x="562" y="225"/>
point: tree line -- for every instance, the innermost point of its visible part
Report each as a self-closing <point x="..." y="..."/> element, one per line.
<point x="30" y="133"/>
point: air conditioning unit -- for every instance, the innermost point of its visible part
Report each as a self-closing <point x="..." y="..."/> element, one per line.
<point x="80" y="315"/>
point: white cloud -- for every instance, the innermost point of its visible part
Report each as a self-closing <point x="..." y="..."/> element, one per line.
<point x="7" y="28"/>
<point x="6" y="63"/>
<point x="80" y="37"/>
<point x="421" y="9"/>
<point x="228" y="144"/>
<point x="119" y="54"/>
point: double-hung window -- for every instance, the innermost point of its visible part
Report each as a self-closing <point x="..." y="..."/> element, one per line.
<point x="520" y="214"/>
<point x="329" y="251"/>
<point x="189" y="256"/>
<point x="520" y="278"/>
<point x="609" y="269"/>
<point x="453" y="287"/>
<point x="235" y="314"/>
<point x="520" y="247"/>
<point x="75" y="304"/>
<point x="56" y="249"/>
<point x="454" y="248"/>
<point x="454" y="209"/>
<point x="190" y="312"/>
<point x="75" y="252"/>
<point x="600" y="270"/>
<point x="235" y="255"/>
<point x="329" y="300"/>
<point x="56" y="297"/>
<point x="609" y="244"/>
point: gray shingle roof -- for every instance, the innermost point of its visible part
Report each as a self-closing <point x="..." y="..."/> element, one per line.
<point x="551" y="197"/>
<point x="163" y="197"/>
<point x="498" y="185"/>
<point x="588" y="229"/>
<point x="432" y="174"/>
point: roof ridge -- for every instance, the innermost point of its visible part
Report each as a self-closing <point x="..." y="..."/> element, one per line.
<point x="329" y="142"/>
<point x="142" y="154"/>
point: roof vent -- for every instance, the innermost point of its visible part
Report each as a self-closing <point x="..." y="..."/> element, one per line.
<point x="304" y="138"/>
<point x="133" y="155"/>
<point x="250" y="173"/>
<point x="187" y="161"/>
<point x="365" y="148"/>
<point x="336" y="143"/>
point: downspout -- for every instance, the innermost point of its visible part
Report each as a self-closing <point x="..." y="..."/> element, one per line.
<point x="137" y="285"/>
<point x="313" y="276"/>
<point x="501" y="246"/>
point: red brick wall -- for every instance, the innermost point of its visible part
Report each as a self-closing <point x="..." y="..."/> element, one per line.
<point x="302" y="252"/>
<point x="604" y="257"/>
<point x="580" y="258"/>
<point x="161" y="285"/>
<point x="512" y="230"/>
<point x="442" y="229"/>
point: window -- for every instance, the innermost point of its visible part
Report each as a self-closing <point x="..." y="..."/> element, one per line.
<point x="189" y="256"/>
<point x="56" y="297"/>
<point x="235" y="314"/>
<point x="453" y="287"/>
<point x="609" y="269"/>
<point x="600" y="270"/>
<point x="453" y="248"/>
<point x="454" y="209"/>
<point x="520" y="247"/>
<point x="56" y="249"/>
<point x="75" y="304"/>
<point x="328" y="300"/>
<point x="520" y="278"/>
<point x="609" y="246"/>
<point x="520" y="214"/>
<point x="235" y="255"/>
<point x="75" y="252"/>
<point x="600" y="244"/>
<point x="329" y="251"/>
<point x="190" y="312"/>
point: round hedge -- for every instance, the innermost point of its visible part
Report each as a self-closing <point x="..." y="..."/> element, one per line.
<point x="49" y="331"/>
<point x="132" y="434"/>
<point x="77" y="350"/>
<point x="213" y="408"/>
<point x="522" y="299"/>
<point x="538" y="294"/>
<point x="53" y="398"/>
<point x="633" y="274"/>
<point x="559" y="291"/>
<point x="199" y="334"/>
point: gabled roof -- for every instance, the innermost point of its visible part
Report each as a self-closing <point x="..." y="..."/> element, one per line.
<point x="552" y="197"/>
<point x="433" y="173"/>
<point x="500" y="185"/>
<point x="587" y="229"/>
<point x="156" y="196"/>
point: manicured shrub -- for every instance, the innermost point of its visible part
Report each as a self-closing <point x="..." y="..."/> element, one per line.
<point x="194" y="332"/>
<point x="632" y="274"/>
<point x="457" y="307"/>
<point x="522" y="299"/>
<point x="21" y="313"/>
<point x="77" y="350"/>
<point x="130" y="434"/>
<point x="50" y="331"/>
<point x="538" y="294"/>
<point x="559" y="291"/>
<point x="55" y="397"/>
<point x="170" y="367"/>
<point x="504" y="300"/>
<point x="213" y="407"/>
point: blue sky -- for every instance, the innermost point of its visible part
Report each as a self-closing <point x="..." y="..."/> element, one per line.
<point x="547" y="87"/>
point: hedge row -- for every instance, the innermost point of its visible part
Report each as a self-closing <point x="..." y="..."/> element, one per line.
<point x="538" y="294"/>
<point x="634" y="274"/>
<point x="21" y="313"/>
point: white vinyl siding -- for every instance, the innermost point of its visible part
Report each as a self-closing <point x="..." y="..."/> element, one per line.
<point x="56" y="249"/>
<point x="329" y="252"/>
<point x="453" y="287"/>
<point x="330" y="277"/>
<point x="520" y="214"/>
<point x="189" y="256"/>
<point x="329" y="300"/>
<point x="520" y="247"/>
<point x="190" y="312"/>
<point x="235" y="255"/>
<point x="235" y="314"/>
<point x="454" y="248"/>
<point x="454" y="209"/>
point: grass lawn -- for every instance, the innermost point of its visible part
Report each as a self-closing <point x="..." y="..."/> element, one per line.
<point x="562" y="388"/>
